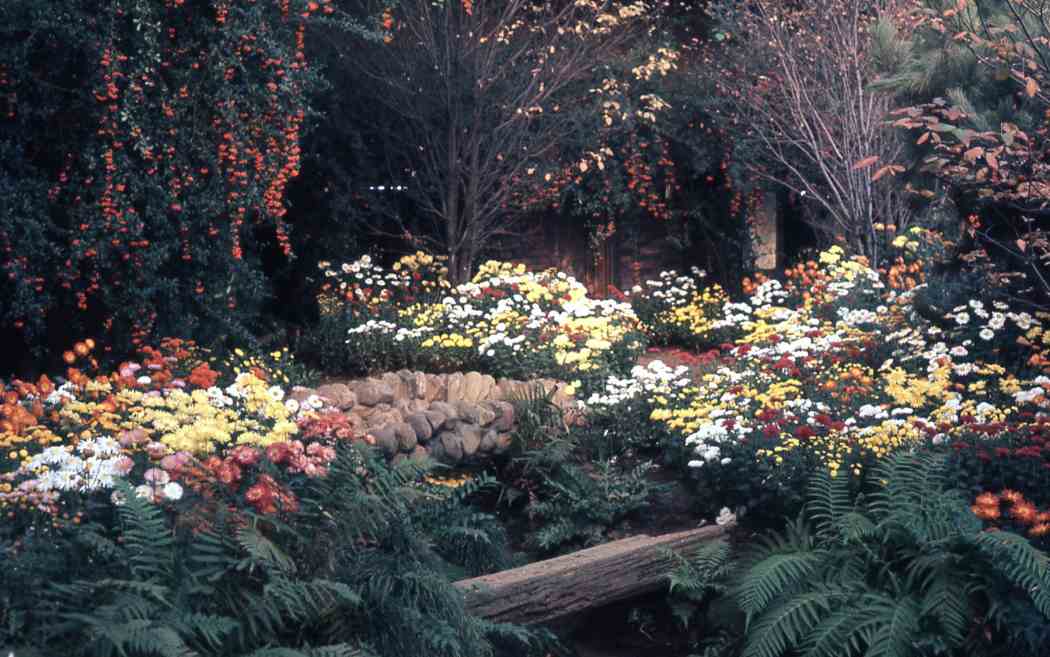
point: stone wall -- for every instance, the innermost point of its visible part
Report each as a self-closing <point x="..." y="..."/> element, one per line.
<point x="452" y="418"/>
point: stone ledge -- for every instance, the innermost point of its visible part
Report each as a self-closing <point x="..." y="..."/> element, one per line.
<point x="456" y="418"/>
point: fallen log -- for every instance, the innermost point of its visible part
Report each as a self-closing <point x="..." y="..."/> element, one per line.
<point x="554" y="589"/>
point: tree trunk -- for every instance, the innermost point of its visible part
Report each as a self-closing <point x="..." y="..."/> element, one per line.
<point x="554" y="589"/>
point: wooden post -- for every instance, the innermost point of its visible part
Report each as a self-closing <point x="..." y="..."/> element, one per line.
<point x="554" y="589"/>
<point x="765" y="232"/>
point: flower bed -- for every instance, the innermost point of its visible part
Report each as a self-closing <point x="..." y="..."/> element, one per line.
<point x="506" y="322"/>
<point x="835" y="370"/>
<point x="166" y="423"/>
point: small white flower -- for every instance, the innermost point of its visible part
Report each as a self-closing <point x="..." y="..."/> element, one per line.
<point x="172" y="491"/>
<point x="987" y="334"/>
<point x="144" y="380"/>
<point x="726" y="518"/>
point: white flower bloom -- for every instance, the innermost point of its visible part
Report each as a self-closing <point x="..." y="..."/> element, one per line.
<point x="726" y="518"/>
<point x="172" y="491"/>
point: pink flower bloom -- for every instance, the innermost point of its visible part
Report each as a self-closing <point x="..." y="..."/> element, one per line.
<point x="171" y="463"/>
<point x="156" y="476"/>
<point x="245" y="455"/>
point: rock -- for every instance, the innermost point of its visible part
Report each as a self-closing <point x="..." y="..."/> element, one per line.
<point x="505" y="416"/>
<point x="397" y="384"/>
<point x="437" y="419"/>
<point x="386" y="439"/>
<point x="436" y="451"/>
<point x="476" y="387"/>
<point x="357" y="424"/>
<point x="402" y="404"/>
<point x="448" y="410"/>
<point x="454" y="392"/>
<point x="338" y="395"/>
<point x="416" y="383"/>
<point x="503" y="443"/>
<point x="503" y="389"/>
<point x="452" y="447"/>
<point x="488" y="441"/>
<point x="437" y="388"/>
<point x="417" y="405"/>
<point x="421" y="425"/>
<point x="490" y="387"/>
<point x="477" y="414"/>
<point x="384" y="417"/>
<point x="406" y="436"/>
<point x="560" y="398"/>
<point x="471" y="440"/>
<point x="301" y="394"/>
<point x="398" y="459"/>
<point x="419" y="454"/>
<point x="371" y="392"/>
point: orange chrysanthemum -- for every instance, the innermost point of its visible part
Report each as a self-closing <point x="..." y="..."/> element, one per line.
<point x="1042" y="529"/>
<point x="987" y="499"/>
<point x="985" y="512"/>
<point x="1024" y="512"/>
<point x="1011" y="496"/>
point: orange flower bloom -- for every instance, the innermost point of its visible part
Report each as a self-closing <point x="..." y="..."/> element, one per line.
<point x="987" y="499"/>
<point x="1042" y="529"/>
<point x="1024" y="512"/>
<point x="1011" y="496"/>
<point x="985" y="512"/>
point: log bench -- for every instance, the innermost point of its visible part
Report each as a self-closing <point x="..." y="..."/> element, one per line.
<point x="554" y="589"/>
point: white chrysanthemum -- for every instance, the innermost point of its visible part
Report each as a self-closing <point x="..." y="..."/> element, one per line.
<point x="172" y="491"/>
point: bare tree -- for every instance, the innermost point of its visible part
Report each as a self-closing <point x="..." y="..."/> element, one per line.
<point x="797" y="80"/>
<point x="479" y="104"/>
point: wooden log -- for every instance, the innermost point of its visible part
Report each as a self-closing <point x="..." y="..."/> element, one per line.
<point x="554" y="589"/>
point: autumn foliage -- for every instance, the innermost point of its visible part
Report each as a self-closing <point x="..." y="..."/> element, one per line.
<point x="148" y="150"/>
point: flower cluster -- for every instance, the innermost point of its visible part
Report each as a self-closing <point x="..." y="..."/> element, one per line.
<point x="506" y="321"/>
<point x="1011" y="507"/>
<point x="164" y="424"/>
<point x="365" y="289"/>
<point x="834" y="369"/>
<point x="682" y="310"/>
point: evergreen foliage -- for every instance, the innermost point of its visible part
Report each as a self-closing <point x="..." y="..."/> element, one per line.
<point x="362" y="569"/>
<point x="905" y="570"/>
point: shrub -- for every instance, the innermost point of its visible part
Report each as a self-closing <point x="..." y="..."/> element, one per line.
<point x="359" y="567"/>
<point x="140" y="158"/>
<point x="905" y="570"/>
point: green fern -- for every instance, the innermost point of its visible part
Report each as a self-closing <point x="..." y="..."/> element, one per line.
<point x="905" y="570"/>
<point x="361" y="570"/>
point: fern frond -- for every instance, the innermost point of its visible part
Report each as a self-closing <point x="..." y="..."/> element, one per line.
<point x="703" y="572"/>
<point x="899" y="626"/>
<point x="262" y="551"/>
<point x="148" y="543"/>
<point x="828" y="499"/>
<point x="783" y="626"/>
<point x="778" y="564"/>
<point x="1023" y="565"/>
